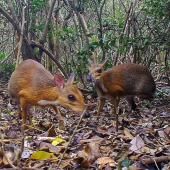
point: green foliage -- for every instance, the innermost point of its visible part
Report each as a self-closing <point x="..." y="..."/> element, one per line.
<point x="94" y="43"/>
<point x="158" y="14"/>
<point x="66" y="34"/>
<point x="82" y="61"/>
<point x="157" y="8"/>
<point x="5" y="69"/>
<point x="39" y="27"/>
<point x="2" y="56"/>
<point x="38" y="5"/>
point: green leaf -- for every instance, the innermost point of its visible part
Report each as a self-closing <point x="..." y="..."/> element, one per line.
<point x="42" y="155"/>
<point x="57" y="141"/>
<point x="126" y="163"/>
<point x="2" y="56"/>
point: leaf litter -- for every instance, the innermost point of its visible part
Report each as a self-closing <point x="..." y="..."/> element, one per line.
<point x="142" y="142"/>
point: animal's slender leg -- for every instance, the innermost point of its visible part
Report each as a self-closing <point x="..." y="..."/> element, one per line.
<point x="24" y="107"/>
<point x="101" y="103"/>
<point x="60" y="117"/>
<point x="131" y="102"/>
<point x="115" y="102"/>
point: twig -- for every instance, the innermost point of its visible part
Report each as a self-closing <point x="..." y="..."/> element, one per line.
<point x="10" y="19"/>
<point x="31" y="127"/>
<point x="74" y="132"/>
<point x="44" y="34"/>
<point x="152" y="160"/>
<point x="156" y="164"/>
<point x="21" y="36"/>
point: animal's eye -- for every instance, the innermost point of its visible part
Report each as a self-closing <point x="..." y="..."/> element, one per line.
<point x="71" y="97"/>
<point x="99" y="70"/>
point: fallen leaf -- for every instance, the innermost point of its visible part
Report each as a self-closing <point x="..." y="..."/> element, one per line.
<point x="51" y="131"/>
<point x="11" y="154"/>
<point x="137" y="144"/>
<point x="127" y="133"/>
<point x="57" y="141"/>
<point x="167" y="131"/>
<point x="88" y="155"/>
<point x="149" y="150"/>
<point x="49" y="147"/>
<point x="103" y="132"/>
<point x="94" y="139"/>
<point x="104" y="161"/>
<point x="161" y="133"/>
<point x="8" y="156"/>
<point x="42" y="155"/>
<point x="26" y="153"/>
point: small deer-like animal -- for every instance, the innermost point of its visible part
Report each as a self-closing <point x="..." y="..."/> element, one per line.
<point x="127" y="80"/>
<point x="31" y="84"/>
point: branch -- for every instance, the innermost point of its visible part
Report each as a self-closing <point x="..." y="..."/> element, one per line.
<point x="152" y="160"/>
<point x="99" y="16"/>
<point x="81" y="19"/>
<point x="83" y="23"/>
<point x="40" y="46"/>
<point x="21" y="35"/>
<point x="12" y="11"/>
<point x="44" y="34"/>
<point x="10" y="19"/>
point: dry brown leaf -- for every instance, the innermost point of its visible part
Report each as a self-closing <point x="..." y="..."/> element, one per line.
<point x="137" y="144"/>
<point x="49" y="147"/>
<point x="167" y="131"/>
<point x="9" y="156"/>
<point x="149" y="150"/>
<point x="88" y="155"/>
<point x="127" y="133"/>
<point x="1" y="157"/>
<point x="94" y="139"/>
<point x="161" y="134"/>
<point x="103" y="161"/>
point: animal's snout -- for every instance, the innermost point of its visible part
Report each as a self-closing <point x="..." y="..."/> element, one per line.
<point x="90" y="78"/>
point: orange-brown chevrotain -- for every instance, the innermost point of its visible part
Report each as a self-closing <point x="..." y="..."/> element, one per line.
<point x="31" y="84"/>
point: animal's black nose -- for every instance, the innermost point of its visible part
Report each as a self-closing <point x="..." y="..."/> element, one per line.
<point x="89" y="78"/>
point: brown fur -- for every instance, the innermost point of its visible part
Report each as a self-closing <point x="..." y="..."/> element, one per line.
<point x="128" y="79"/>
<point x="123" y="80"/>
<point x="31" y="83"/>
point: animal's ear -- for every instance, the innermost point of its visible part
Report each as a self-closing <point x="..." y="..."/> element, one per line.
<point x="59" y="80"/>
<point x="71" y="79"/>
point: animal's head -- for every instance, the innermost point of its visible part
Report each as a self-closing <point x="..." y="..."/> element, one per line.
<point x="96" y="69"/>
<point x="70" y="96"/>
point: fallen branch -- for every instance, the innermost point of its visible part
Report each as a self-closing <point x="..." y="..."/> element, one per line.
<point x="152" y="160"/>
<point x="70" y="140"/>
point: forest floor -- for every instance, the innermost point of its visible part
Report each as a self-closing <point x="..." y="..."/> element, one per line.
<point x="142" y="141"/>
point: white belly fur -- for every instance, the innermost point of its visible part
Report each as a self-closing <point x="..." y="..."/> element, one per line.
<point x="46" y="102"/>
